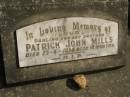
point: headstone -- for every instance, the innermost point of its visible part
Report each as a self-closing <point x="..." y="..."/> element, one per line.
<point x="44" y="39"/>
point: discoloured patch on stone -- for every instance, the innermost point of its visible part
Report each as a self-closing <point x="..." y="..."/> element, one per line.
<point x="81" y="80"/>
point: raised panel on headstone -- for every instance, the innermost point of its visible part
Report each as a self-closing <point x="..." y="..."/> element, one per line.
<point x="66" y="39"/>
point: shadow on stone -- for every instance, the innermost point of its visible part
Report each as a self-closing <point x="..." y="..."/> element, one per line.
<point x="2" y="73"/>
<point x="72" y="85"/>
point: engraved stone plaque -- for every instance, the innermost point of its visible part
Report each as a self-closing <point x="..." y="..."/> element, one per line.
<point x="66" y="39"/>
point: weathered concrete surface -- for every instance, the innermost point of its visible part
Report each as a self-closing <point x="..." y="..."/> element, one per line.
<point x="112" y="83"/>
